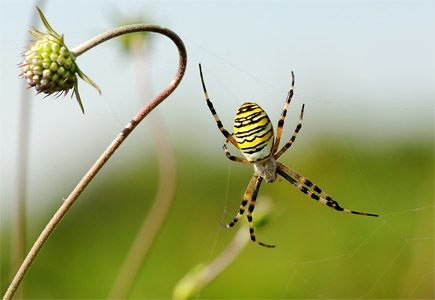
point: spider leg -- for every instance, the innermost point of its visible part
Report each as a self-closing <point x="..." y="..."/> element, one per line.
<point x="251" y="209"/>
<point x="245" y="200"/>
<point x="235" y="158"/>
<point x="213" y="111"/>
<point x="304" y="181"/>
<point x="305" y="186"/>
<point x="283" y="115"/>
<point x="289" y="143"/>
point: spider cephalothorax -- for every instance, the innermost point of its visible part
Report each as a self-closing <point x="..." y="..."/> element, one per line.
<point x="254" y="137"/>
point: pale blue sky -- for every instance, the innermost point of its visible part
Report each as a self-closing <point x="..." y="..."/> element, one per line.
<point x="363" y="68"/>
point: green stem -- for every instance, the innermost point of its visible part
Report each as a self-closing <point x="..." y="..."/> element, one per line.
<point x="194" y="281"/>
<point x="18" y="240"/>
<point x="113" y="146"/>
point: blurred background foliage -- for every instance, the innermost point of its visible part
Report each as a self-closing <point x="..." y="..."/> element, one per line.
<point x="365" y="73"/>
<point x="319" y="253"/>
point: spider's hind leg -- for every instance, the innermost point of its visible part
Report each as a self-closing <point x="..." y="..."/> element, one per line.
<point x="245" y="200"/>
<point x="251" y="193"/>
<point x="312" y="190"/>
<point x="251" y="210"/>
<point x="234" y="158"/>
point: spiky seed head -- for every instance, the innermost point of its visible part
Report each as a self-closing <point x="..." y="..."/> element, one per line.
<point x="49" y="66"/>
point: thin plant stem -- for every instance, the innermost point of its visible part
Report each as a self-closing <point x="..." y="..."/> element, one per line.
<point x="165" y="192"/>
<point x="193" y="282"/>
<point x="153" y="221"/>
<point x="221" y="262"/>
<point x="200" y="276"/>
<point x="113" y="146"/>
<point x="18" y="243"/>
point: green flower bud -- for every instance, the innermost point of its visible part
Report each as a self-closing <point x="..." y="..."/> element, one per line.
<point x="55" y="47"/>
<point x="61" y="71"/>
<point x="55" y="77"/>
<point x="49" y="66"/>
<point x="37" y="70"/>
<point x="60" y="60"/>
<point x="45" y="54"/>
<point x="53" y="56"/>
<point x="46" y="63"/>
<point x="46" y="73"/>
<point x="53" y="67"/>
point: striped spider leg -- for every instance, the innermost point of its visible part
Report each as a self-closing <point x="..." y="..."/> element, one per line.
<point x="254" y="137"/>
<point x="312" y="190"/>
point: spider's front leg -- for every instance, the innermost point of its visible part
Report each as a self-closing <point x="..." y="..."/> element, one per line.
<point x="214" y="113"/>
<point x="293" y="138"/>
<point x="234" y="158"/>
<point x="283" y="115"/>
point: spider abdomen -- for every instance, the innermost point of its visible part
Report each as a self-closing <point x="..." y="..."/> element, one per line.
<point x="253" y="132"/>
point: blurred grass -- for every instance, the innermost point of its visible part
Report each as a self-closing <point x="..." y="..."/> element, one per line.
<point x="320" y="253"/>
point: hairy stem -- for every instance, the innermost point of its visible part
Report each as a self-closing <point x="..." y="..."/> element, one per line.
<point x="113" y="146"/>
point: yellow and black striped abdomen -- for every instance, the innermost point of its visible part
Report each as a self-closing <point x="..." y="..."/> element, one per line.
<point x="253" y="132"/>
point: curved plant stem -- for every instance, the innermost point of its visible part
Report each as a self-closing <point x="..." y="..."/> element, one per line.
<point x="154" y="220"/>
<point x="113" y="146"/>
<point x="163" y="200"/>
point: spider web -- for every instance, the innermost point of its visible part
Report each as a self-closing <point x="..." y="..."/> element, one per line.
<point x="374" y="288"/>
<point x="354" y="257"/>
<point x="383" y="260"/>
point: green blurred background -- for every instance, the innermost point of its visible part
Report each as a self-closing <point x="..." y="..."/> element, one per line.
<point x="365" y="71"/>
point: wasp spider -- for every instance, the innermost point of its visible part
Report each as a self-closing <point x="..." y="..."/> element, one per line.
<point x="254" y="137"/>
